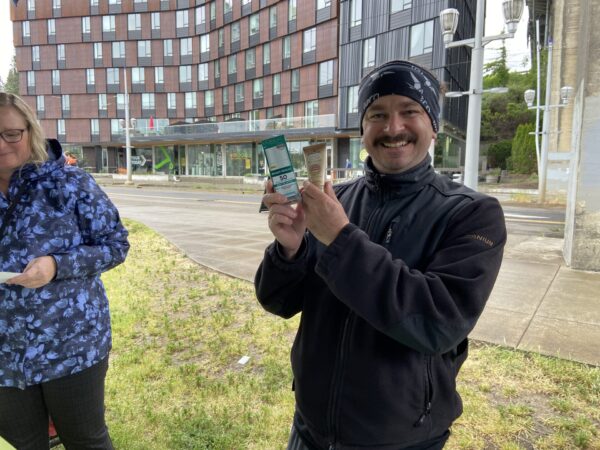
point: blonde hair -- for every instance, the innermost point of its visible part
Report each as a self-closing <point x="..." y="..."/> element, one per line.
<point x="37" y="141"/>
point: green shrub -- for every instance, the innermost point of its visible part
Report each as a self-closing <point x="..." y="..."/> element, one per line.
<point x="523" y="156"/>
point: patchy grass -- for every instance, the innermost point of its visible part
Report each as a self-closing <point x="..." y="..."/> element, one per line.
<point x="174" y="381"/>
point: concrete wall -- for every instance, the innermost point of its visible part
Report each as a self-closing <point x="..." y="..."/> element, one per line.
<point x="582" y="231"/>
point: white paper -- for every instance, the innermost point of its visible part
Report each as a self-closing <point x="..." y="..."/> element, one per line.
<point x="243" y="360"/>
<point x="6" y="275"/>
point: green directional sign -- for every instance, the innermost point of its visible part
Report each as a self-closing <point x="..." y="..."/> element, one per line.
<point x="165" y="161"/>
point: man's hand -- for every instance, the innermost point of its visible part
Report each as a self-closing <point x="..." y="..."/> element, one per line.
<point x="286" y="222"/>
<point x="39" y="272"/>
<point x="325" y="215"/>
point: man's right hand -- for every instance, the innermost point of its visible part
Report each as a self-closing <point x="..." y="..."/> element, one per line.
<point x="286" y="222"/>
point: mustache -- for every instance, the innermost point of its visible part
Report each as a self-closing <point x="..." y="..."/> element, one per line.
<point x="407" y="137"/>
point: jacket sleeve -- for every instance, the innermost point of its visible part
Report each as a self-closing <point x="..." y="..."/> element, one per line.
<point x="279" y="282"/>
<point x="103" y="243"/>
<point x="431" y="310"/>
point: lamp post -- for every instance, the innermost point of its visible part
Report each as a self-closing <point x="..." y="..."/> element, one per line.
<point x="566" y="92"/>
<point x="128" y="125"/>
<point x="513" y="9"/>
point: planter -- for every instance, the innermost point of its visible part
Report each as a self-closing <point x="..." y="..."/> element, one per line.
<point x="492" y="178"/>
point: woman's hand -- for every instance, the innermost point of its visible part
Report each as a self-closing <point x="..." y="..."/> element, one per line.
<point x="39" y="272"/>
<point x="286" y="222"/>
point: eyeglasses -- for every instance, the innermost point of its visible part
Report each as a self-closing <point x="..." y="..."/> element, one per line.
<point x="12" y="136"/>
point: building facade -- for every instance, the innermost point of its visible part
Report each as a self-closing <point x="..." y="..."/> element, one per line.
<point x="206" y="81"/>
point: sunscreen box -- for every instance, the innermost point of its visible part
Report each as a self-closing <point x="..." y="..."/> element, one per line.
<point x="280" y="167"/>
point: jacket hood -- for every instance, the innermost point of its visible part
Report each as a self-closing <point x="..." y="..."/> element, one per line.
<point x="409" y="181"/>
<point x="54" y="165"/>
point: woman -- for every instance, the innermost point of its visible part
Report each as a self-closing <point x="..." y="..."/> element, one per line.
<point x="59" y="232"/>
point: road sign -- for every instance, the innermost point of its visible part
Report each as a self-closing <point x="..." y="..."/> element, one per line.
<point x="138" y="160"/>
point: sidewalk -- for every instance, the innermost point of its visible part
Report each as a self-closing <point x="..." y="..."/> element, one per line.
<point x="538" y="303"/>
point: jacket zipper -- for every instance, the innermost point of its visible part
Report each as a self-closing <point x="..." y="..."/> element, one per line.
<point x="428" y="393"/>
<point x="337" y="378"/>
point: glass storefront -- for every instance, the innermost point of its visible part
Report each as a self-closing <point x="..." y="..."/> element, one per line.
<point x="202" y="160"/>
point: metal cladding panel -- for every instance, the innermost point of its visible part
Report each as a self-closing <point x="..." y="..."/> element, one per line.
<point x="392" y="45"/>
<point x="400" y="19"/>
<point x="344" y="22"/>
<point x="422" y="11"/>
<point x="377" y="20"/>
<point x="342" y="108"/>
<point x="350" y="64"/>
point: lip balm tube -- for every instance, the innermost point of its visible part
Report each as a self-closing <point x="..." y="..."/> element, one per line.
<point x="315" y="157"/>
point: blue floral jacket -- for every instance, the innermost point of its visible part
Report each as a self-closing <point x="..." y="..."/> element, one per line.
<point x="63" y="327"/>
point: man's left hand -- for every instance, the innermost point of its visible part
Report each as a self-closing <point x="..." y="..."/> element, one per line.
<point x="39" y="272"/>
<point x="325" y="215"/>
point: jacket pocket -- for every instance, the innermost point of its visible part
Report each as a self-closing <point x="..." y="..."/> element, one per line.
<point x="428" y="394"/>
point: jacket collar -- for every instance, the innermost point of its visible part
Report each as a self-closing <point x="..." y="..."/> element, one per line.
<point x="405" y="182"/>
<point x="54" y="165"/>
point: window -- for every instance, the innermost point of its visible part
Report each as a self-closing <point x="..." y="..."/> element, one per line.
<point x="355" y="12"/>
<point x="310" y="40"/>
<point x="182" y="18"/>
<point x="60" y="127"/>
<point x="239" y="92"/>
<point x="204" y="43"/>
<point x="369" y="53"/>
<point x="148" y="101"/>
<point x="254" y="24"/>
<point x="155" y="20"/>
<point x="159" y="75"/>
<point x="266" y="53"/>
<point x="35" y="53"/>
<point x="171" y="100"/>
<point x="221" y="37"/>
<point x="225" y="95"/>
<point x="232" y="64"/>
<point x="250" y="58"/>
<point x="56" y="4"/>
<point x="209" y="99"/>
<point x="144" y="49"/>
<point x="291" y="10"/>
<point x="326" y="73"/>
<point x="217" y="69"/>
<point x="85" y="25"/>
<point x="185" y="46"/>
<point x="97" y="50"/>
<point x="94" y="2"/>
<point x="66" y="102"/>
<point x="246" y="2"/>
<point x="134" y="22"/>
<point x="227" y="5"/>
<point x="94" y="127"/>
<point x="60" y="52"/>
<point x="200" y="15"/>
<point x="213" y="11"/>
<point x="168" y="47"/>
<point x="203" y="72"/>
<point x="185" y="74"/>
<point x="352" y="106"/>
<point x="323" y="4"/>
<point x="108" y="24"/>
<point x="311" y="108"/>
<point x="40" y="103"/>
<point x="287" y="47"/>
<point x="56" y="78"/>
<point x="25" y="29"/>
<point x="112" y="76"/>
<point x="31" y="78"/>
<point x="51" y="27"/>
<point x="31" y="5"/>
<point x="115" y="127"/>
<point x="421" y="38"/>
<point x="118" y="49"/>
<point x="295" y="80"/>
<point x="190" y="100"/>
<point x="273" y="17"/>
<point x="235" y="32"/>
<point x="102" y="102"/>
<point x="138" y="75"/>
<point x="277" y="84"/>
<point x="114" y="2"/>
<point x="120" y="102"/>
<point x="400" y="5"/>
<point x="90" y="76"/>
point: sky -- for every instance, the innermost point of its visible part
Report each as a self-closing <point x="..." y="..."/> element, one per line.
<point x="517" y="47"/>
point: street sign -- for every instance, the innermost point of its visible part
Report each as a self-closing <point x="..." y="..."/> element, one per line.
<point x="138" y="160"/>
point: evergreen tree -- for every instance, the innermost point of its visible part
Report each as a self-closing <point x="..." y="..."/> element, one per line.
<point x="523" y="157"/>
<point x="12" y="80"/>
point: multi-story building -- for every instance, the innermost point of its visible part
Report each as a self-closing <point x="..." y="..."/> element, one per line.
<point x="208" y="80"/>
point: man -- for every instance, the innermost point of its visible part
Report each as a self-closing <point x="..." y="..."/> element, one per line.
<point x="391" y="272"/>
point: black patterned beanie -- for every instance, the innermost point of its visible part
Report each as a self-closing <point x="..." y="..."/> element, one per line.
<point x="401" y="78"/>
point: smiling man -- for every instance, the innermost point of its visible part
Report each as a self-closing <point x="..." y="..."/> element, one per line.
<point x="390" y="272"/>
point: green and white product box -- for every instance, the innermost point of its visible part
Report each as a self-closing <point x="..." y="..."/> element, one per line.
<point x="280" y="167"/>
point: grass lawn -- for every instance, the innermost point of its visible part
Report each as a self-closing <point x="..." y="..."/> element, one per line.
<point x="175" y="382"/>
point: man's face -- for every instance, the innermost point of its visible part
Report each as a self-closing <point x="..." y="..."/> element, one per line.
<point x="397" y="133"/>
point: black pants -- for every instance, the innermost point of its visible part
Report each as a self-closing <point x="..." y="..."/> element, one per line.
<point x="75" y="403"/>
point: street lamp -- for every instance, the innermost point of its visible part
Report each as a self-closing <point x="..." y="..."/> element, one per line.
<point x="128" y="125"/>
<point x="512" y="9"/>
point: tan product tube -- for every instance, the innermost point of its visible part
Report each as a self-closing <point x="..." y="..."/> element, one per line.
<point x="315" y="157"/>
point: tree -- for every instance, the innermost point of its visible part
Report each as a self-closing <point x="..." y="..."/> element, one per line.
<point x="523" y="156"/>
<point x="12" y="80"/>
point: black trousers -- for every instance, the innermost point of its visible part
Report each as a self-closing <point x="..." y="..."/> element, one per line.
<point x="75" y="403"/>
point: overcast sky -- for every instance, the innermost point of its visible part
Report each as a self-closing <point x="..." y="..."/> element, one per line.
<point x="517" y="47"/>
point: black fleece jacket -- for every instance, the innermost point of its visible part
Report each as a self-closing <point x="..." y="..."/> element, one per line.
<point x="386" y="308"/>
